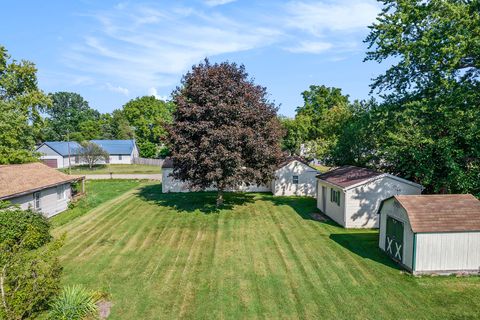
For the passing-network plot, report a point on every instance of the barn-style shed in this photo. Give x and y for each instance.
(432, 233)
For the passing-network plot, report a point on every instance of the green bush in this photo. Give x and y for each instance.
(74, 303)
(28, 227)
(29, 267)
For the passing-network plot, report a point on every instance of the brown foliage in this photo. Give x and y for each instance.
(225, 131)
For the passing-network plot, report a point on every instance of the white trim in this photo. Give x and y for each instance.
(384, 175)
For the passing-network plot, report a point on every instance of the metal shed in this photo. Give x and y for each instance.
(432, 233)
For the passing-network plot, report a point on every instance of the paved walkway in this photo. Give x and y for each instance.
(150, 176)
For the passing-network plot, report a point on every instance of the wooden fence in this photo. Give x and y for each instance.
(150, 162)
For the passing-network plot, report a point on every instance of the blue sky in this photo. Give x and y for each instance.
(113, 51)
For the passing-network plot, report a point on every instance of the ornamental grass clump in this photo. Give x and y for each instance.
(74, 303)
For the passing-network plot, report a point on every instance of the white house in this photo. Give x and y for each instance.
(120, 151)
(432, 233)
(56, 154)
(351, 195)
(59, 154)
(36, 186)
(293, 177)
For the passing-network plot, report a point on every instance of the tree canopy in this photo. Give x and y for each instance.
(148, 117)
(21, 104)
(225, 131)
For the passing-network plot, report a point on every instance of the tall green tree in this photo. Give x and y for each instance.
(148, 117)
(429, 124)
(320, 120)
(71, 114)
(21, 104)
(225, 131)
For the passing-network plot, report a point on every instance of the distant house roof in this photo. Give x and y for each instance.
(442, 212)
(19, 179)
(124, 147)
(61, 147)
(347, 176)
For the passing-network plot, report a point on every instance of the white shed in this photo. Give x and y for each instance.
(432, 233)
(293, 177)
(351, 195)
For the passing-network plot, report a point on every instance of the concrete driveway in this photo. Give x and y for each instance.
(140, 176)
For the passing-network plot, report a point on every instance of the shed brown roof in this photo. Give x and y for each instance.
(347, 176)
(18, 179)
(442, 212)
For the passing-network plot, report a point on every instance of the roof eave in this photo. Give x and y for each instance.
(19, 194)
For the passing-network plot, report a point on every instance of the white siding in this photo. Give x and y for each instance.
(332, 209)
(396, 211)
(363, 202)
(448, 252)
(115, 159)
(170, 184)
(284, 186)
(50, 205)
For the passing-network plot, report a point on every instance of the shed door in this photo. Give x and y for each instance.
(52, 163)
(394, 239)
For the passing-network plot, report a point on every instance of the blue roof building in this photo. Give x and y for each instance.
(55, 153)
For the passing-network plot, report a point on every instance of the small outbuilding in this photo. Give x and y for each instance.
(293, 177)
(432, 233)
(36, 186)
(351, 195)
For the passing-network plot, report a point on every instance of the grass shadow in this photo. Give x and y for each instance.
(204, 202)
(365, 245)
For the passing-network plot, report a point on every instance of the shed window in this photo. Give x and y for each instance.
(36, 200)
(77, 159)
(335, 196)
(295, 179)
(119, 157)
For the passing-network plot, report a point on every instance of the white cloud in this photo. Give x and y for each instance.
(143, 47)
(213, 3)
(118, 89)
(310, 47)
(153, 92)
(319, 17)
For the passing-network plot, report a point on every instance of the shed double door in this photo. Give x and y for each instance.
(394, 239)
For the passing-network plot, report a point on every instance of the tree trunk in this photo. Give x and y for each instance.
(220, 198)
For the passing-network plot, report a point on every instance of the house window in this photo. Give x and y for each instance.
(119, 157)
(295, 179)
(77, 159)
(335, 196)
(36, 200)
(60, 192)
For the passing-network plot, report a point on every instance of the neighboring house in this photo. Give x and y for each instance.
(36, 186)
(351, 195)
(293, 177)
(432, 233)
(55, 154)
(121, 151)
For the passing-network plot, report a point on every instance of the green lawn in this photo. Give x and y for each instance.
(168, 256)
(114, 168)
(98, 191)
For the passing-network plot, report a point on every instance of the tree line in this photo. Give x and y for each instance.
(29, 116)
(426, 125)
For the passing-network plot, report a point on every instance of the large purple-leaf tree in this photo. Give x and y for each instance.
(225, 131)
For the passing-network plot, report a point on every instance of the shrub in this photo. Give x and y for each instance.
(29, 267)
(74, 303)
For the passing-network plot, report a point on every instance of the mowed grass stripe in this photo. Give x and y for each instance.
(262, 259)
